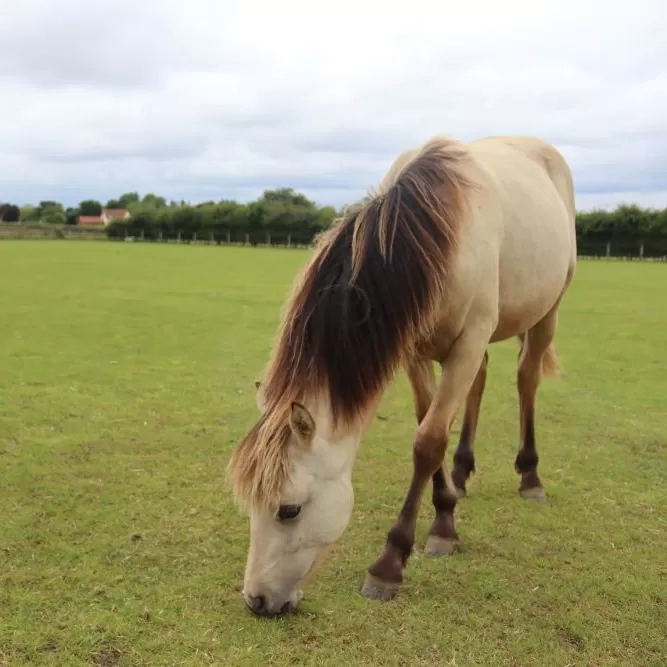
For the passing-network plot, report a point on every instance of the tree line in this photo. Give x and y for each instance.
(626, 231)
(280, 215)
(284, 216)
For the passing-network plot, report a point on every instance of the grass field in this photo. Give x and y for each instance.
(126, 378)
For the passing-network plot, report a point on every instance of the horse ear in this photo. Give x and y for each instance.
(261, 406)
(302, 423)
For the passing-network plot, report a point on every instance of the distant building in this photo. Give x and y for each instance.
(111, 214)
(90, 220)
(108, 215)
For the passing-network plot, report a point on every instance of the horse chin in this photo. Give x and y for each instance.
(289, 607)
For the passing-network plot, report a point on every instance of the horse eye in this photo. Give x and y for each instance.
(286, 512)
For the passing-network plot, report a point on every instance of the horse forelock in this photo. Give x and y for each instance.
(260, 464)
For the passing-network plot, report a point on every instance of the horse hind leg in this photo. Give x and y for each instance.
(464, 456)
(537, 359)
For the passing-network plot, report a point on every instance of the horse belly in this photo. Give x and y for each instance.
(516, 316)
(534, 263)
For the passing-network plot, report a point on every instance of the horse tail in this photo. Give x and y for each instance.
(550, 363)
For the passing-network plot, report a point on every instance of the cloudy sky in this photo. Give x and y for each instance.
(225, 98)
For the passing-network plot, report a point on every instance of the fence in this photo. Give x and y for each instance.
(17, 231)
(650, 249)
(653, 249)
(254, 237)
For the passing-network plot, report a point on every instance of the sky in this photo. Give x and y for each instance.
(220, 99)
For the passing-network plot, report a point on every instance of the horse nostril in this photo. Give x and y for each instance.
(257, 604)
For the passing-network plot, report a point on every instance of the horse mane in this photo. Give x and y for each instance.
(369, 294)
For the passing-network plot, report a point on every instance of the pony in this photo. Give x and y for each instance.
(461, 245)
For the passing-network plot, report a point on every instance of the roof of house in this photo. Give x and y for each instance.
(90, 220)
(114, 212)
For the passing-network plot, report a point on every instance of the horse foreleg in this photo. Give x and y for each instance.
(464, 456)
(443, 538)
(422, 380)
(459, 370)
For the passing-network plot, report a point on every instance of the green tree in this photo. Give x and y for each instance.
(29, 213)
(128, 198)
(187, 220)
(326, 217)
(90, 207)
(153, 201)
(288, 197)
(10, 213)
(52, 212)
(55, 217)
(659, 227)
(72, 215)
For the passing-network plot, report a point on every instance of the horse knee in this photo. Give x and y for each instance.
(428, 452)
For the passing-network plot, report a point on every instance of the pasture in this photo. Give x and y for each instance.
(126, 378)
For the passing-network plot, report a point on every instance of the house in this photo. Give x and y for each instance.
(108, 215)
(113, 214)
(90, 220)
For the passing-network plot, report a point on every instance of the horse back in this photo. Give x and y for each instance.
(531, 195)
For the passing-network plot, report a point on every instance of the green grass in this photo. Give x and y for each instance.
(126, 378)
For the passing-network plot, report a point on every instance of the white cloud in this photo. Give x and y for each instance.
(216, 100)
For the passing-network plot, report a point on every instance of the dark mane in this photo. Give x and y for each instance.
(371, 291)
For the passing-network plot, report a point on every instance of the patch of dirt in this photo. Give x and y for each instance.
(570, 637)
(107, 658)
(49, 646)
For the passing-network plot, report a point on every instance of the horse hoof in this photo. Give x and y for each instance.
(537, 494)
(376, 589)
(440, 546)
